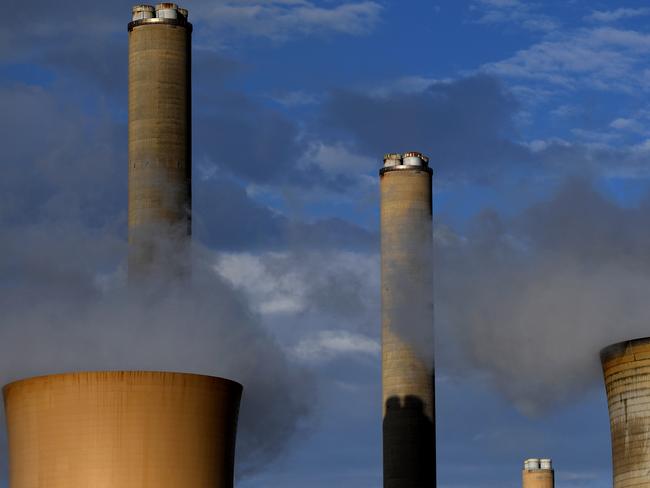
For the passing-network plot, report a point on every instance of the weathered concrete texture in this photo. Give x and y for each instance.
(122, 429)
(407, 325)
(160, 169)
(538, 478)
(626, 368)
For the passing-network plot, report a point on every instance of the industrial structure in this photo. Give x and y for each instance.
(136, 429)
(407, 322)
(147, 429)
(538, 473)
(626, 368)
(127, 429)
(160, 159)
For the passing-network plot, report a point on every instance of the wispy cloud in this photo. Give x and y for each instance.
(412, 84)
(337, 158)
(633, 125)
(280, 20)
(522, 13)
(293, 99)
(603, 58)
(285, 283)
(618, 14)
(273, 292)
(330, 344)
(596, 152)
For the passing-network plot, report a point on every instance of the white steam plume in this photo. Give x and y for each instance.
(65, 306)
(532, 300)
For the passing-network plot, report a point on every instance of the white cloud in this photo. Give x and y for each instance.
(595, 137)
(631, 125)
(565, 110)
(634, 123)
(641, 149)
(609, 154)
(320, 305)
(405, 85)
(601, 58)
(337, 158)
(272, 293)
(518, 12)
(281, 283)
(502, 3)
(618, 14)
(295, 99)
(280, 20)
(539, 145)
(621, 123)
(330, 344)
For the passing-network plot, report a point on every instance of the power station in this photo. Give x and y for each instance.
(151, 429)
(160, 140)
(136, 429)
(538, 473)
(407, 322)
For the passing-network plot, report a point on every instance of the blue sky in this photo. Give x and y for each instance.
(535, 117)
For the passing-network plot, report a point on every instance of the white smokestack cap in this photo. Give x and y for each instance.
(531, 464)
(545, 464)
(392, 159)
(143, 12)
(414, 158)
(167, 11)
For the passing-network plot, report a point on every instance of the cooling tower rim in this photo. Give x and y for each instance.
(620, 348)
(179, 22)
(111, 375)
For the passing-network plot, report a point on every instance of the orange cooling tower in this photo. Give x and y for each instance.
(126, 429)
(626, 367)
(538, 473)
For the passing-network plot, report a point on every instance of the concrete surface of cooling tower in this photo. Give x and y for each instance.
(626, 368)
(407, 322)
(160, 161)
(126, 429)
(538, 473)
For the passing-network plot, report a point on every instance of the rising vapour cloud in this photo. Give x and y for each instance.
(531, 300)
(66, 307)
(65, 304)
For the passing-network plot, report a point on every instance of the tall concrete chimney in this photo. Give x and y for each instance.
(407, 322)
(626, 367)
(160, 160)
(538, 473)
(126, 429)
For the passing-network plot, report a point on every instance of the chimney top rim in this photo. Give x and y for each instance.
(181, 21)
